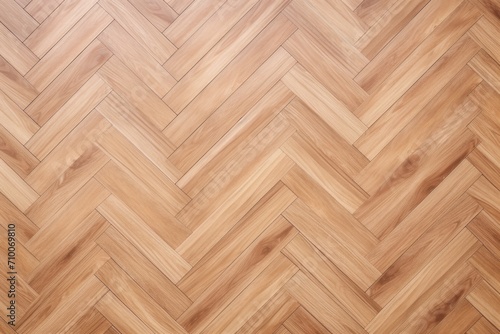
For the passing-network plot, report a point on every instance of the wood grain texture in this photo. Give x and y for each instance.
(250, 166)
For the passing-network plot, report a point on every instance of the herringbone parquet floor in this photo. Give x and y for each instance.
(250, 166)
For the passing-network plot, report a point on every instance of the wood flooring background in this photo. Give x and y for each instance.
(251, 166)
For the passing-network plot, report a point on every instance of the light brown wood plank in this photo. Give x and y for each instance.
(483, 326)
(241, 201)
(418, 62)
(15, 52)
(136, 299)
(68, 82)
(227, 49)
(488, 265)
(260, 217)
(15, 18)
(144, 272)
(484, 33)
(487, 229)
(15, 155)
(302, 322)
(463, 316)
(319, 99)
(138, 59)
(68, 47)
(157, 12)
(68, 117)
(144, 238)
(140, 28)
(144, 201)
(413, 34)
(131, 89)
(316, 59)
(198, 29)
(380, 133)
(15, 86)
(91, 322)
(488, 196)
(487, 68)
(139, 131)
(41, 9)
(271, 280)
(360, 271)
(15, 120)
(20, 193)
(484, 298)
(260, 254)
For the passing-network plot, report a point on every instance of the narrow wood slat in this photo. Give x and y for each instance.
(484, 298)
(15, 18)
(15, 120)
(488, 265)
(15, 52)
(140, 28)
(207, 36)
(15, 155)
(157, 12)
(15, 86)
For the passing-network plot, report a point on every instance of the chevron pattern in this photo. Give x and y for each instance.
(250, 166)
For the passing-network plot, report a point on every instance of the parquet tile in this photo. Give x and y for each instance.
(231, 166)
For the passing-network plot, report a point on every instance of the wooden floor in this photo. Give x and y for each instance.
(253, 166)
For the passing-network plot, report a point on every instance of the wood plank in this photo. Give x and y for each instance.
(144, 238)
(392, 22)
(487, 164)
(487, 229)
(487, 68)
(131, 88)
(241, 201)
(68, 117)
(228, 49)
(78, 173)
(259, 133)
(215, 261)
(442, 301)
(41, 9)
(463, 316)
(15, 18)
(223, 84)
(345, 191)
(233, 171)
(72, 215)
(15, 155)
(484, 33)
(485, 298)
(425, 283)
(412, 182)
(314, 264)
(57, 25)
(302, 322)
(198, 29)
(328, 143)
(271, 315)
(73, 249)
(407, 40)
(370, 11)
(356, 267)
(68, 47)
(15, 188)
(131, 158)
(15, 86)
(418, 62)
(321, 304)
(319, 99)
(423, 216)
(15, 52)
(157, 12)
(483, 326)
(380, 133)
(488, 196)
(488, 265)
(430, 243)
(260, 254)
(140, 28)
(136, 299)
(120, 315)
(144, 272)
(15, 120)
(25, 229)
(317, 60)
(179, 5)
(91, 322)
(138, 59)
(62, 291)
(145, 202)
(80, 140)
(271, 280)
(139, 131)
(68, 82)
(426, 132)
(341, 224)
